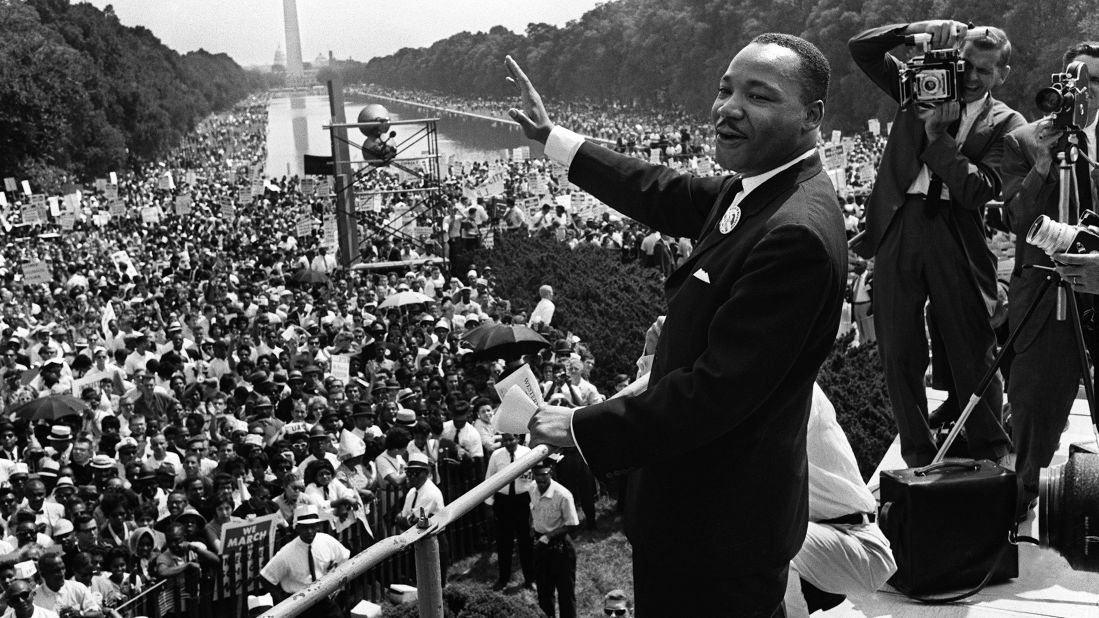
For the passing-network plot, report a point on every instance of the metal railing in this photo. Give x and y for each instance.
(426, 545)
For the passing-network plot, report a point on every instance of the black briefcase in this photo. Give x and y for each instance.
(948, 524)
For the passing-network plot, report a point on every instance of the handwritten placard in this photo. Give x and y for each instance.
(36, 273)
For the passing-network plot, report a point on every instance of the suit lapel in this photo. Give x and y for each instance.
(751, 205)
(980, 135)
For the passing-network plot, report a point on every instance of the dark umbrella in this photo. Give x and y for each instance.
(506, 341)
(308, 275)
(49, 408)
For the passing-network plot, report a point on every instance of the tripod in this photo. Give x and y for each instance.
(1067, 308)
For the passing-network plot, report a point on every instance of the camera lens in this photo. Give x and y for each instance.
(1049, 100)
(1051, 236)
(1068, 521)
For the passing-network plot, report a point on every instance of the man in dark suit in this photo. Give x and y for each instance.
(925, 229)
(715, 449)
(1045, 373)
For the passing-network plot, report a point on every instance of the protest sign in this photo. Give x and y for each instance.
(341, 367)
(10, 185)
(304, 227)
(36, 273)
(111, 192)
(874, 125)
(246, 547)
(116, 208)
(26, 188)
(834, 157)
(837, 135)
(866, 173)
(30, 214)
(183, 205)
(150, 214)
(55, 205)
(68, 220)
(227, 209)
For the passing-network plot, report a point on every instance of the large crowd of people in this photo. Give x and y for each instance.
(212, 384)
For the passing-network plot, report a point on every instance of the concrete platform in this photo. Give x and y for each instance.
(1046, 586)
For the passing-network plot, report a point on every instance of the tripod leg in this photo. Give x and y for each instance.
(1089, 386)
(982, 386)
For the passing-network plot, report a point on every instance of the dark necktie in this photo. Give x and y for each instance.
(412, 505)
(511, 486)
(935, 186)
(312, 566)
(1083, 176)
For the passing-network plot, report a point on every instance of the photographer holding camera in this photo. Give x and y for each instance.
(925, 222)
(1048, 374)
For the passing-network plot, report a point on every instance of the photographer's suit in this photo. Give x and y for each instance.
(715, 449)
(925, 250)
(1045, 372)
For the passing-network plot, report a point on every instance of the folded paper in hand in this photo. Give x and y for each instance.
(515, 411)
(527, 383)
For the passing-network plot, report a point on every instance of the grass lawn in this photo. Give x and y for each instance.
(603, 563)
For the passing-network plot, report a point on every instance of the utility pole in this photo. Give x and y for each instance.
(347, 228)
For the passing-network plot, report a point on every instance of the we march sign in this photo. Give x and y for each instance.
(246, 547)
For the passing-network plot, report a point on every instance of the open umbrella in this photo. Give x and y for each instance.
(308, 275)
(506, 341)
(49, 408)
(403, 299)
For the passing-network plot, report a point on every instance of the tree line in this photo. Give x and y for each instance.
(672, 52)
(82, 95)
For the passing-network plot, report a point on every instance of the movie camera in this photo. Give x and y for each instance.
(1066, 98)
(1056, 237)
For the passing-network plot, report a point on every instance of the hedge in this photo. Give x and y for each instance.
(610, 305)
(606, 303)
(471, 601)
(852, 378)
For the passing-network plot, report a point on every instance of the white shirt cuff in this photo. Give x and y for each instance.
(572, 429)
(562, 144)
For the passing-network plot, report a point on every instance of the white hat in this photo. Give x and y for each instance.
(25, 570)
(306, 514)
(263, 601)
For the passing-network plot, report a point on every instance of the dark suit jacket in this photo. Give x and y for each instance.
(715, 448)
(971, 174)
(1027, 196)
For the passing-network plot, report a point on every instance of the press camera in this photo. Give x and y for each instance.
(935, 77)
(1066, 98)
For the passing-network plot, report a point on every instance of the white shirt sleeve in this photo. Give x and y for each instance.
(562, 144)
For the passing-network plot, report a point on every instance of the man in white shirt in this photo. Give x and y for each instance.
(458, 430)
(58, 594)
(553, 514)
(424, 499)
(511, 513)
(543, 311)
(324, 262)
(20, 597)
(304, 560)
(844, 550)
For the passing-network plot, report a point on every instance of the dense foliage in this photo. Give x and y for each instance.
(673, 51)
(853, 380)
(81, 94)
(609, 305)
(465, 601)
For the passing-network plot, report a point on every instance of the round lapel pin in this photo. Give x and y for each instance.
(729, 219)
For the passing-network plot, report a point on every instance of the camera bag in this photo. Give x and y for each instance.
(948, 525)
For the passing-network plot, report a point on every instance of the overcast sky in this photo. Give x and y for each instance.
(250, 30)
